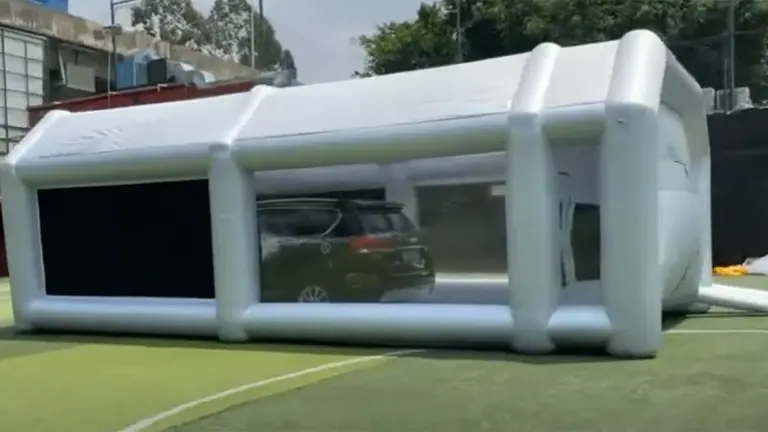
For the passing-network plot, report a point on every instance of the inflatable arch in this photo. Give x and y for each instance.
(627, 104)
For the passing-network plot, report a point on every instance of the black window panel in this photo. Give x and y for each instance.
(144, 240)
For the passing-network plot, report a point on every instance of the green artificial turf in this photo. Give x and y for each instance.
(757, 282)
(698, 383)
(100, 384)
(6, 316)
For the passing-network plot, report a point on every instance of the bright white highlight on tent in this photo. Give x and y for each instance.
(628, 103)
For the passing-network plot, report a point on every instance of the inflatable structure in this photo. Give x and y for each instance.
(619, 125)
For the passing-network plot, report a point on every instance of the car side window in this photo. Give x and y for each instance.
(297, 222)
(344, 228)
(276, 222)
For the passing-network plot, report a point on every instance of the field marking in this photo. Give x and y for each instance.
(717, 331)
(145, 423)
(150, 421)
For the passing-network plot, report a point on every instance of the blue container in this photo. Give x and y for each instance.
(132, 70)
(57, 5)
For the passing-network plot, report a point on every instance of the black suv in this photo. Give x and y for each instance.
(338, 250)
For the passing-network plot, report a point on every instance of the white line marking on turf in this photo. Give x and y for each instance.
(150, 421)
(718, 331)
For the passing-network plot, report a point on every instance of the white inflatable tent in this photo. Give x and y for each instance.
(628, 99)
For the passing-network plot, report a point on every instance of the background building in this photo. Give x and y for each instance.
(47, 55)
(22, 82)
(57, 5)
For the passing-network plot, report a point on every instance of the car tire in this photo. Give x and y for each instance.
(313, 294)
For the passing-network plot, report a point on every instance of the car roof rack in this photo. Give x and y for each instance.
(328, 202)
(297, 201)
(376, 204)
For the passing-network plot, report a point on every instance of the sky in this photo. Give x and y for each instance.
(319, 33)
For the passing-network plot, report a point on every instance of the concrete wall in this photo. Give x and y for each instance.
(29, 17)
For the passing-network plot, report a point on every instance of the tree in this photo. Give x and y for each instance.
(175, 21)
(225, 32)
(693, 29)
(286, 60)
(424, 42)
(231, 22)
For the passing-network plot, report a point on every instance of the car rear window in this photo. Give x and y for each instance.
(297, 222)
(385, 221)
(376, 223)
(401, 223)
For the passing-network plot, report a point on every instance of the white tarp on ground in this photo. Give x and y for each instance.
(757, 266)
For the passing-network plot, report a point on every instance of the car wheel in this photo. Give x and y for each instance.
(313, 294)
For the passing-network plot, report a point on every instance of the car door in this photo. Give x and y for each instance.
(318, 247)
(276, 252)
(287, 252)
(295, 251)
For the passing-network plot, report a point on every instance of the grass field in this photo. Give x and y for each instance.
(701, 381)
(102, 384)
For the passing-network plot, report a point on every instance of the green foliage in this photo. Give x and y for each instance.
(225, 32)
(421, 43)
(175, 21)
(695, 30)
(286, 61)
(231, 22)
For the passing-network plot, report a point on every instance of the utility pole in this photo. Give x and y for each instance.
(253, 35)
(114, 29)
(459, 34)
(262, 31)
(732, 54)
(260, 11)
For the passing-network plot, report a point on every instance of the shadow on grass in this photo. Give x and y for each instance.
(12, 346)
(26, 343)
(729, 314)
(563, 356)
(672, 320)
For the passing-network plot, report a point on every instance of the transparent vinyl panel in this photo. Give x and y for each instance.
(464, 226)
(430, 230)
(418, 231)
(579, 222)
(380, 233)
